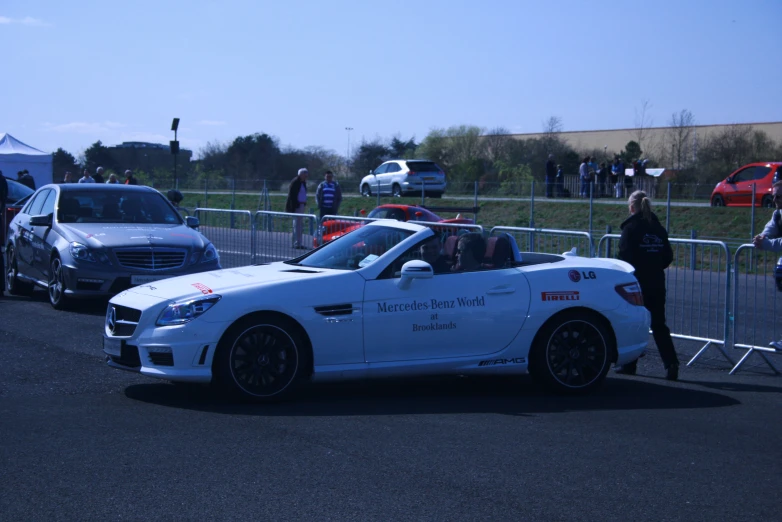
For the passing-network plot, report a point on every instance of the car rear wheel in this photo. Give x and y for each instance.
(396, 191)
(571, 353)
(717, 201)
(365, 190)
(56, 288)
(261, 359)
(13, 284)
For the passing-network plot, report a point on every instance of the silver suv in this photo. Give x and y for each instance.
(404, 177)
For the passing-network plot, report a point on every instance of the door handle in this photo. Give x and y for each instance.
(497, 290)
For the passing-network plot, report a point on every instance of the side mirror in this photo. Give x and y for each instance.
(415, 269)
(192, 222)
(41, 221)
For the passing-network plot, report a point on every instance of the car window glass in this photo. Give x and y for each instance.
(26, 208)
(111, 206)
(743, 175)
(393, 167)
(431, 250)
(381, 169)
(17, 191)
(761, 172)
(423, 166)
(48, 205)
(355, 249)
(35, 208)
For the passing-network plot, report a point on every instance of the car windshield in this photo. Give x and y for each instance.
(112, 206)
(356, 249)
(388, 213)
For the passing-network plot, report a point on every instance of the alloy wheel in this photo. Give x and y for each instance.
(263, 360)
(576, 354)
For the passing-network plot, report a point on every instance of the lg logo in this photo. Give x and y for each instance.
(576, 276)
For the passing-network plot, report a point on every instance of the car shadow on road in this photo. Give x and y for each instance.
(78, 306)
(507, 396)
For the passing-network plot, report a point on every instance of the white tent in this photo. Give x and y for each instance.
(16, 156)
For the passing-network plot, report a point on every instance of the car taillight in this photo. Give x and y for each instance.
(412, 173)
(631, 292)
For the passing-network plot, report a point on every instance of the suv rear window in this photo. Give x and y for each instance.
(423, 166)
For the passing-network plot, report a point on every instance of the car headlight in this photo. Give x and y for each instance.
(185, 311)
(210, 254)
(81, 252)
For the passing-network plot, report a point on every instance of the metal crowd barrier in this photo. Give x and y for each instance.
(230, 231)
(697, 288)
(274, 235)
(183, 211)
(756, 304)
(549, 240)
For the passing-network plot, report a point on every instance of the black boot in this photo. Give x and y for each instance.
(628, 369)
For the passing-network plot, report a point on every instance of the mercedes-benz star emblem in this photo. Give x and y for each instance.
(111, 319)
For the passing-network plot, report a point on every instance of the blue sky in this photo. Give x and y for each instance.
(75, 72)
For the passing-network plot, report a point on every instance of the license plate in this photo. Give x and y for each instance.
(144, 279)
(112, 346)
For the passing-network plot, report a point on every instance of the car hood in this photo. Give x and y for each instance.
(112, 235)
(229, 280)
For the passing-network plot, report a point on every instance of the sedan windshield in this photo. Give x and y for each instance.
(356, 249)
(114, 207)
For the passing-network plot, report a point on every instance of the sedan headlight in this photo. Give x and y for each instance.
(185, 311)
(209, 254)
(81, 252)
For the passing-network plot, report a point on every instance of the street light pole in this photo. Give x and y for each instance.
(174, 146)
(347, 158)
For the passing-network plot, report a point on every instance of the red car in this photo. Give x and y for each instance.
(736, 189)
(332, 229)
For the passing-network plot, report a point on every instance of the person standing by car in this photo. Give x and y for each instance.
(98, 177)
(24, 177)
(86, 178)
(585, 177)
(296, 204)
(129, 179)
(644, 244)
(328, 196)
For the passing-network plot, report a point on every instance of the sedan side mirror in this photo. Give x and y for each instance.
(41, 221)
(415, 269)
(192, 222)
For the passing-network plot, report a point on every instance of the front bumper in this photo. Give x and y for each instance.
(100, 280)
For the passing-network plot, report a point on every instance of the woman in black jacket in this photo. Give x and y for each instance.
(644, 244)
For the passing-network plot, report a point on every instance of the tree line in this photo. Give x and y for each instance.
(467, 153)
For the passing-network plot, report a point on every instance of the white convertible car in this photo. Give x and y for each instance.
(368, 304)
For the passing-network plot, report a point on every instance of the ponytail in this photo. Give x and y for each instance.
(640, 202)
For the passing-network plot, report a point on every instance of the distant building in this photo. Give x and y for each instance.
(615, 140)
(139, 155)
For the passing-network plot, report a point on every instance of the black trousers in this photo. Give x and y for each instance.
(4, 237)
(327, 212)
(654, 300)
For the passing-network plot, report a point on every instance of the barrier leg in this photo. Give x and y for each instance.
(738, 364)
(703, 350)
(773, 368)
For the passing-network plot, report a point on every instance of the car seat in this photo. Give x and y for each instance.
(499, 253)
(68, 210)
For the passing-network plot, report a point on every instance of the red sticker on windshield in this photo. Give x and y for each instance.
(204, 289)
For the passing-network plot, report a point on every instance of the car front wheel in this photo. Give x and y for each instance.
(717, 201)
(571, 354)
(13, 283)
(396, 191)
(56, 288)
(261, 359)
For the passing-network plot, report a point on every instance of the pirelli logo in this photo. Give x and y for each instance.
(560, 296)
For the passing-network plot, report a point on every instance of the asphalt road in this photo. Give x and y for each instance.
(83, 441)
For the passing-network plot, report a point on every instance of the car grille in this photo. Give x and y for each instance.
(151, 258)
(124, 320)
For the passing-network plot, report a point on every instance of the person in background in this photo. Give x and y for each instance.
(602, 179)
(129, 179)
(560, 182)
(551, 176)
(86, 178)
(296, 204)
(3, 227)
(614, 185)
(98, 177)
(584, 176)
(24, 177)
(644, 244)
(328, 196)
(67, 178)
(113, 179)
